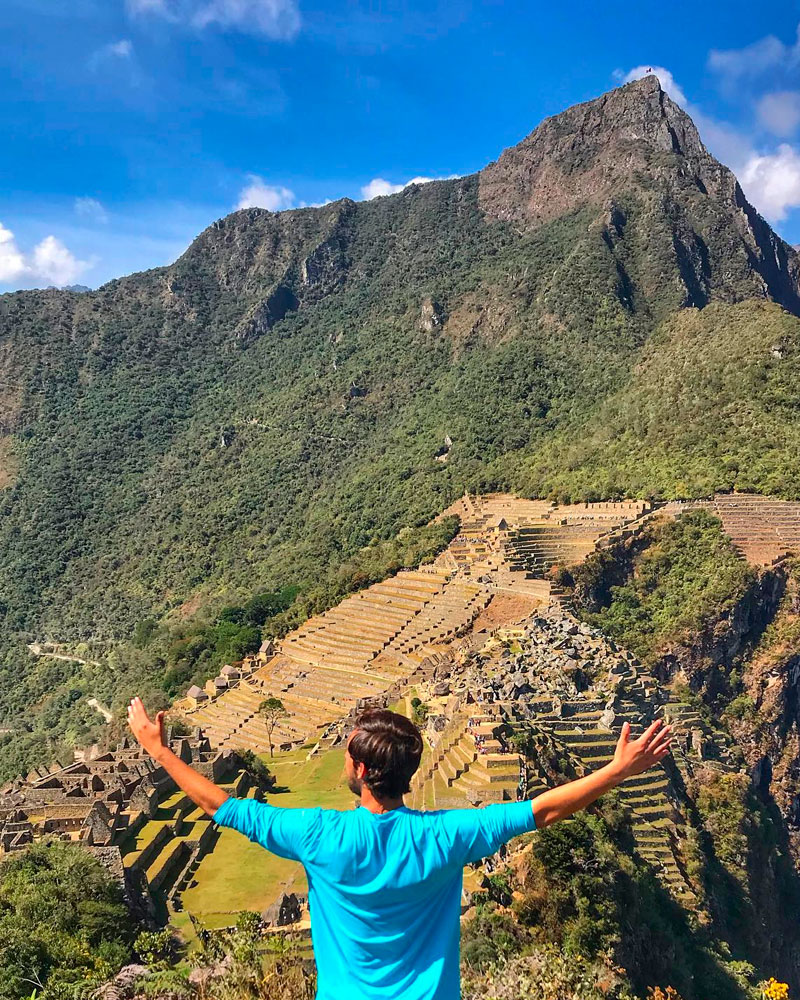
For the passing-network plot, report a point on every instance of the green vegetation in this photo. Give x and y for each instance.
(585, 903)
(266, 417)
(46, 701)
(271, 710)
(747, 877)
(711, 405)
(200, 650)
(182, 440)
(677, 577)
(544, 973)
(419, 711)
(63, 923)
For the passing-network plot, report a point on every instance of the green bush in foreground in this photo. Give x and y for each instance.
(63, 923)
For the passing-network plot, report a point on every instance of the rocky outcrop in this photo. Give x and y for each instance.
(266, 314)
(705, 657)
(635, 141)
(326, 265)
(271, 262)
(431, 316)
(765, 718)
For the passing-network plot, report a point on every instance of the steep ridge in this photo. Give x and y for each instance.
(636, 142)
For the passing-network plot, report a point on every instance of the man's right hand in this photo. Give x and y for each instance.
(634, 756)
(149, 732)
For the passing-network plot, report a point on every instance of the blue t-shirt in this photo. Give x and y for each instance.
(384, 889)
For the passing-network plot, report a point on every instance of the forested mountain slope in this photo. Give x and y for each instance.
(280, 395)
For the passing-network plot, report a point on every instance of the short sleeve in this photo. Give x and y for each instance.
(285, 832)
(478, 833)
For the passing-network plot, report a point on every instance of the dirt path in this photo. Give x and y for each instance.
(95, 704)
(37, 650)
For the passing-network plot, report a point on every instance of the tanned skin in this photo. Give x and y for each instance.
(630, 757)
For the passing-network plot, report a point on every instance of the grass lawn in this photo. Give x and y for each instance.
(238, 875)
(136, 842)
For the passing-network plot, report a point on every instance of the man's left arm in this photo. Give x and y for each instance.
(630, 757)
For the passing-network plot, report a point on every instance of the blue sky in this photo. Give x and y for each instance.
(130, 125)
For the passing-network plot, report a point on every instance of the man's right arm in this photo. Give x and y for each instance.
(150, 734)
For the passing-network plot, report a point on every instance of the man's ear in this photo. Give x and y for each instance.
(361, 770)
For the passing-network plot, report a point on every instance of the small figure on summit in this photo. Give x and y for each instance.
(384, 880)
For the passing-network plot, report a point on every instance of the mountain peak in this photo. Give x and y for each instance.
(635, 147)
(586, 152)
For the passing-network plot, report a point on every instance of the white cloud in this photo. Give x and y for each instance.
(111, 52)
(92, 209)
(378, 187)
(12, 263)
(273, 18)
(122, 49)
(766, 55)
(779, 112)
(54, 263)
(772, 182)
(257, 194)
(50, 262)
(665, 78)
(137, 7)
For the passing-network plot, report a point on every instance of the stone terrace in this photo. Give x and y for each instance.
(478, 637)
(336, 660)
(355, 631)
(566, 535)
(762, 529)
(568, 691)
(370, 644)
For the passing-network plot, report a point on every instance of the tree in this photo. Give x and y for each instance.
(272, 710)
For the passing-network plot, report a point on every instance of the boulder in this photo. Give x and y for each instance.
(697, 742)
(609, 716)
(203, 974)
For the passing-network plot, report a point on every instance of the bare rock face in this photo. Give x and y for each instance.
(285, 910)
(636, 139)
(582, 154)
(431, 316)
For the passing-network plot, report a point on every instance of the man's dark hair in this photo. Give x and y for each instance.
(390, 747)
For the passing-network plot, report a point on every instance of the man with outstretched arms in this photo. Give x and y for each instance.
(385, 880)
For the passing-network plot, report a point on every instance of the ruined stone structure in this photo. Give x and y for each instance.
(373, 643)
(517, 694)
(763, 529)
(548, 698)
(98, 799)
